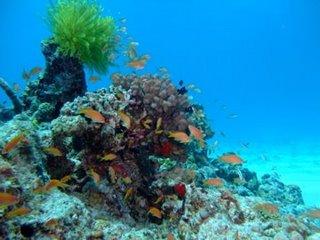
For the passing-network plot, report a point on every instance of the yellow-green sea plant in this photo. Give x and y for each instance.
(81, 31)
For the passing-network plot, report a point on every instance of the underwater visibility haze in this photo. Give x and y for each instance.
(160, 119)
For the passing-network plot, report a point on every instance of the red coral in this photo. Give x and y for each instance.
(180, 189)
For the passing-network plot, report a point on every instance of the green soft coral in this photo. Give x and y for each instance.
(80, 31)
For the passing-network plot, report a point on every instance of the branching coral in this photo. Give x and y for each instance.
(81, 31)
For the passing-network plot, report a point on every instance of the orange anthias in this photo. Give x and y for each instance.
(8, 199)
(17, 212)
(196, 132)
(53, 183)
(155, 212)
(93, 115)
(231, 158)
(217, 182)
(13, 143)
(178, 136)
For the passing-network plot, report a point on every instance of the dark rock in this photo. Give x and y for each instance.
(63, 80)
(27, 230)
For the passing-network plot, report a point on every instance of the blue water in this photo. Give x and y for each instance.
(257, 59)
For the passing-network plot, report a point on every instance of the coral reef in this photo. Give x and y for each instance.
(62, 81)
(128, 161)
(81, 32)
(114, 164)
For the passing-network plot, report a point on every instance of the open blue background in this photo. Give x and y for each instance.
(259, 59)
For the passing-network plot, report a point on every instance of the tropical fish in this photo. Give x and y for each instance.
(8, 199)
(17, 212)
(193, 88)
(146, 123)
(53, 183)
(93, 115)
(35, 70)
(231, 158)
(159, 199)
(95, 176)
(132, 50)
(217, 182)
(313, 213)
(139, 63)
(52, 223)
(26, 75)
(245, 145)
(155, 212)
(179, 136)
(16, 87)
(125, 119)
(232, 115)
(66, 178)
(196, 132)
(170, 236)
(158, 125)
(13, 143)
(128, 194)
(127, 180)
(109, 157)
(94, 79)
(54, 151)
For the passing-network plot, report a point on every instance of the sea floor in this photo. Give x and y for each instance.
(295, 162)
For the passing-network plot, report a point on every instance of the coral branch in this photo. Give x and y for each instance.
(17, 105)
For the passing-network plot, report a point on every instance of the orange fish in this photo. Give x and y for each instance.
(170, 236)
(139, 63)
(8, 199)
(231, 158)
(155, 212)
(17, 212)
(217, 182)
(196, 132)
(313, 213)
(95, 176)
(35, 70)
(93, 115)
(159, 199)
(53, 183)
(125, 119)
(128, 194)
(109, 157)
(66, 179)
(158, 125)
(94, 79)
(14, 142)
(181, 137)
(146, 123)
(25, 75)
(53, 151)
(52, 223)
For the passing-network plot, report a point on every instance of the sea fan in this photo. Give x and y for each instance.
(80, 31)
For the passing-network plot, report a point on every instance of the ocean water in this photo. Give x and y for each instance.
(257, 64)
